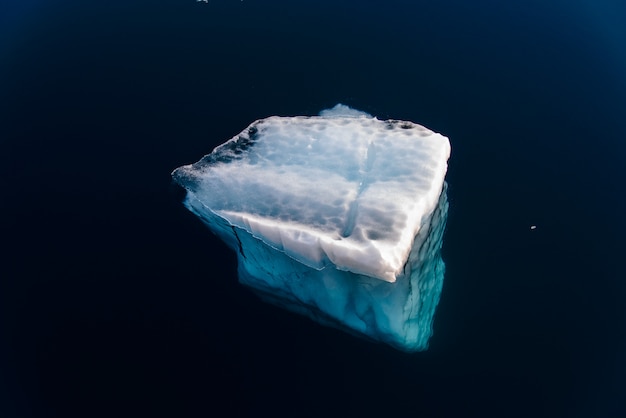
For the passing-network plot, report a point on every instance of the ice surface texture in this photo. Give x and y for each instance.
(338, 216)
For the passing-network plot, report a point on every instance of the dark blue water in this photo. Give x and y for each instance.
(115, 301)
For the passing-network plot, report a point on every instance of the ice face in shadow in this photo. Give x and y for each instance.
(339, 217)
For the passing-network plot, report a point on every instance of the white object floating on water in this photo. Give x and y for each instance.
(339, 217)
(533, 227)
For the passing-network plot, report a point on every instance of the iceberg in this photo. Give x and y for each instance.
(339, 217)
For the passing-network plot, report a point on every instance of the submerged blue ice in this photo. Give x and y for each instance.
(339, 217)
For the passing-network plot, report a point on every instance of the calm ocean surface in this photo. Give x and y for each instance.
(116, 301)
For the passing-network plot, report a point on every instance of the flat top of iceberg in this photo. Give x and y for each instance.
(342, 188)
